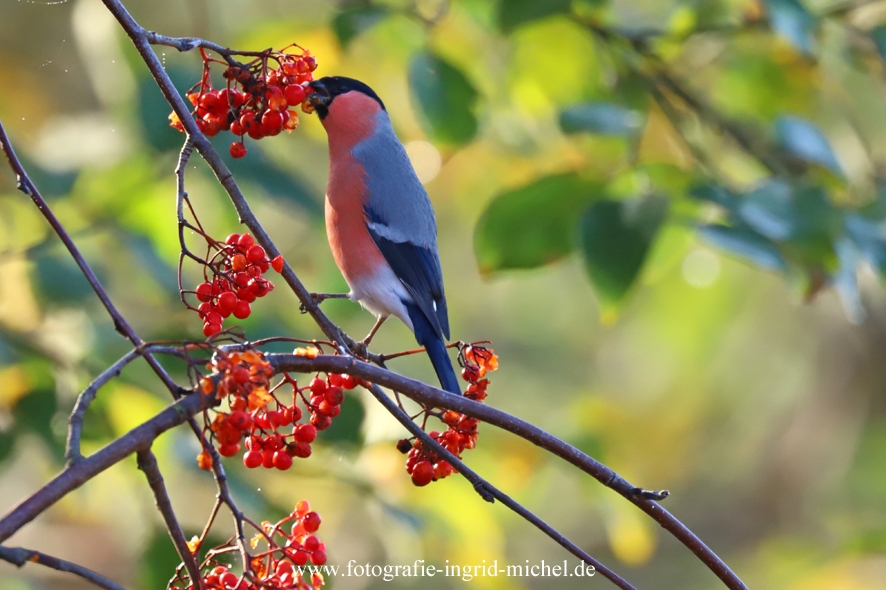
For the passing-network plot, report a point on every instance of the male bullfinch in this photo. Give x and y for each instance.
(379, 220)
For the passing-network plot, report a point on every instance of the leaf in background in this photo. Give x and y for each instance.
(869, 236)
(34, 412)
(603, 118)
(769, 210)
(792, 21)
(158, 560)
(846, 280)
(153, 110)
(347, 427)
(714, 193)
(446, 98)
(878, 34)
(616, 237)
(805, 141)
(352, 21)
(280, 184)
(513, 13)
(59, 279)
(7, 444)
(532, 225)
(744, 243)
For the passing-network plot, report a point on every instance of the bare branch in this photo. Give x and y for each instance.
(19, 556)
(147, 462)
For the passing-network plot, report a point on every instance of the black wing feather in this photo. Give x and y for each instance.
(418, 269)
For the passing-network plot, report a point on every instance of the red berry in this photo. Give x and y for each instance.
(305, 433)
(282, 460)
(238, 149)
(228, 579)
(301, 449)
(277, 263)
(292, 414)
(272, 120)
(246, 295)
(318, 386)
(334, 395)
(318, 557)
(422, 473)
(242, 310)
(205, 308)
(294, 94)
(252, 459)
(242, 279)
(228, 449)
(348, 382)
(213, 317)
(312, 543)
(300, 558)
(245, 242)
(204, 292)
(226, 302)
(255, 254)
(311, 521)
(232, 239)
(248, 122)
(321, 422)
(240, 420)
(267, 458)
(335, 379)
(211, 329)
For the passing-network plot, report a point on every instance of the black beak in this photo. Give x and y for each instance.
(320, 97)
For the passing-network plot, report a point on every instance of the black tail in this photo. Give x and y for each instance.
(436, 347)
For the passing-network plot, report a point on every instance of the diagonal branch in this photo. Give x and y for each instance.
(147, 462)
(19, 556)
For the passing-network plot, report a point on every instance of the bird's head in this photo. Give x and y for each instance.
(344, 104)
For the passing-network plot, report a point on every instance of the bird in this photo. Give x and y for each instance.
(379, 220)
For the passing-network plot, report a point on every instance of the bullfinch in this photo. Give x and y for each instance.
(379, 219)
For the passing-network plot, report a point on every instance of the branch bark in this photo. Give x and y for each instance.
(19, 557)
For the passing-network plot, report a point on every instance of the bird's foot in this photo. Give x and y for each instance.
(319, 298)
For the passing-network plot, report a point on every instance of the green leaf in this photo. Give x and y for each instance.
(616, 237)
(533, 225)
(7, 444)
(346, 428)
(603, 118)
(878, 34)
(280, 184)
(351, 22)
(794, 22)
(714, 193)
(446, 99)
(744, 243)
(59, 279)
(806, 141)
(153, 110)
(513, 13)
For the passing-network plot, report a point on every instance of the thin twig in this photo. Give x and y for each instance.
(19, 556)
(147, 462)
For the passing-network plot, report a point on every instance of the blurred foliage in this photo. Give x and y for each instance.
(702, 169)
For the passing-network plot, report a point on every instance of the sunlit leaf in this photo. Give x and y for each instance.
(446, 98)
(616, 237)
(805, 141)
(744, 243)
(532, 225)
(513, 13)
(353, 21)
(603, 118)
(794, 22)
(716, 194)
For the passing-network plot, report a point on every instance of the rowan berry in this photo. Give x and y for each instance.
(294, 94)
(422, 473)
(228, 449)
(204, 292)
(305, 432)
(334, 395)
(318, 386)
(242, 310)
(210, 330)
(252, 459)
(312, 521)
(277, 263)
(318, 557)
(282, 460)
(267, 458)
(255, 254)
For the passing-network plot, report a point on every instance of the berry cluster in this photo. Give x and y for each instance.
(289, 546)
(259, 415)
(423, 464)
(233, 280)
(257, 97)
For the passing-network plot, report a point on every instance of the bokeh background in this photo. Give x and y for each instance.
(676, 210)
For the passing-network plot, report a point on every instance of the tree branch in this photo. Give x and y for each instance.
(147, 462)
(19, 556)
